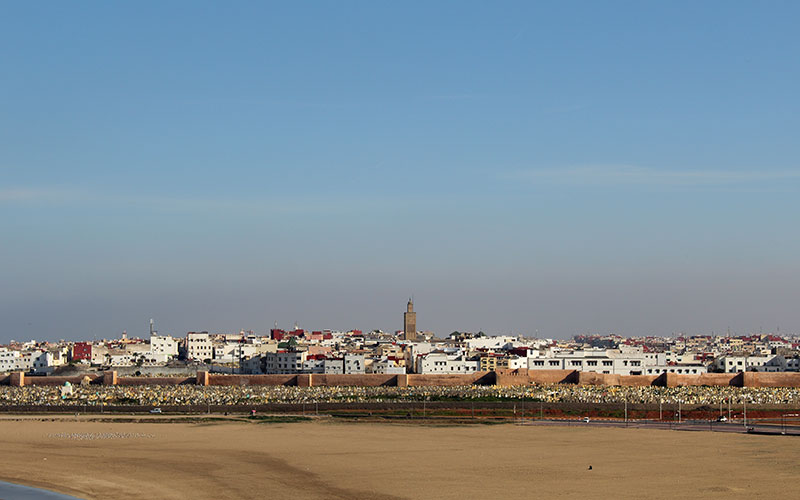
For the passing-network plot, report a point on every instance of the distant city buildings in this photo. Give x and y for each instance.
(300, 351)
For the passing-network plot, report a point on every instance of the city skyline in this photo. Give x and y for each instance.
(554, 168)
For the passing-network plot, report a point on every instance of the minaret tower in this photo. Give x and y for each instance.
(410, 322)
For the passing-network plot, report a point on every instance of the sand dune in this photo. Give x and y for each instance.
(326, 460)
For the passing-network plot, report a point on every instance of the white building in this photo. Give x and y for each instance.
(233, 352)
(285, 362)
(199, 346)
(733, 364)
(631, 362)
(492, 343)
(696, 369)
(440, 363)
(387, 366)
(350, 363)
(779, 363)
(163, 348)
(10, 361)
(123, 358)
(41, 362)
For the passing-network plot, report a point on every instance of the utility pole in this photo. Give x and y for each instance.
(744, 412)
(626, 411)
(660, 409)
(679, 411)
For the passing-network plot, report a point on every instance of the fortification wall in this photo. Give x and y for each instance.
(52, 381)
(155, 380)
(638, 380)
(419, 380)
(591, 378)
(366, 380)
(215, 379)
(501, 378)
(771, 379)
(715, 379)
(523, 376)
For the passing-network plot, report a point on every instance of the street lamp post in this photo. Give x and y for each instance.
(729, 408)
(744, 412)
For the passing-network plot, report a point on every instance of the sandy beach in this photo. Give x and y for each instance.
(325, 460)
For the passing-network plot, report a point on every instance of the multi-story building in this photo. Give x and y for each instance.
(730, 363)
(82, 351)
(10, 360)
(199, 346)
(349, 363)
(387, 366)
(163, 348)
(439, 362)
(592, 360)
(284, 362)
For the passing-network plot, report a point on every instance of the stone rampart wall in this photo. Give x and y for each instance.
(51, 381)
(501, 378)
(155, 380)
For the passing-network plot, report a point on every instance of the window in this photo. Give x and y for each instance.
(608, 363)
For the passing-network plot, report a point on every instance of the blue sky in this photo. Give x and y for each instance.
(558, 168)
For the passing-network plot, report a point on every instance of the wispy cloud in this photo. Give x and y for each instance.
(23, 194)
(200, 204)
(633, 175)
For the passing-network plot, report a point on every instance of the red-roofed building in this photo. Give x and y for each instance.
(82, 351)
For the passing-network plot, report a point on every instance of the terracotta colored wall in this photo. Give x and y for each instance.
(216, 379)
(366, 380)
(16, 379)
(527, 377)
(501, 378)
(717, 379)
(51, 381)
(771, 379)
(418, 379)
(155, 380)
(591, 378)
(637, 380)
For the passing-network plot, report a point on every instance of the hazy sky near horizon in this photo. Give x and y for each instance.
(547, 168)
